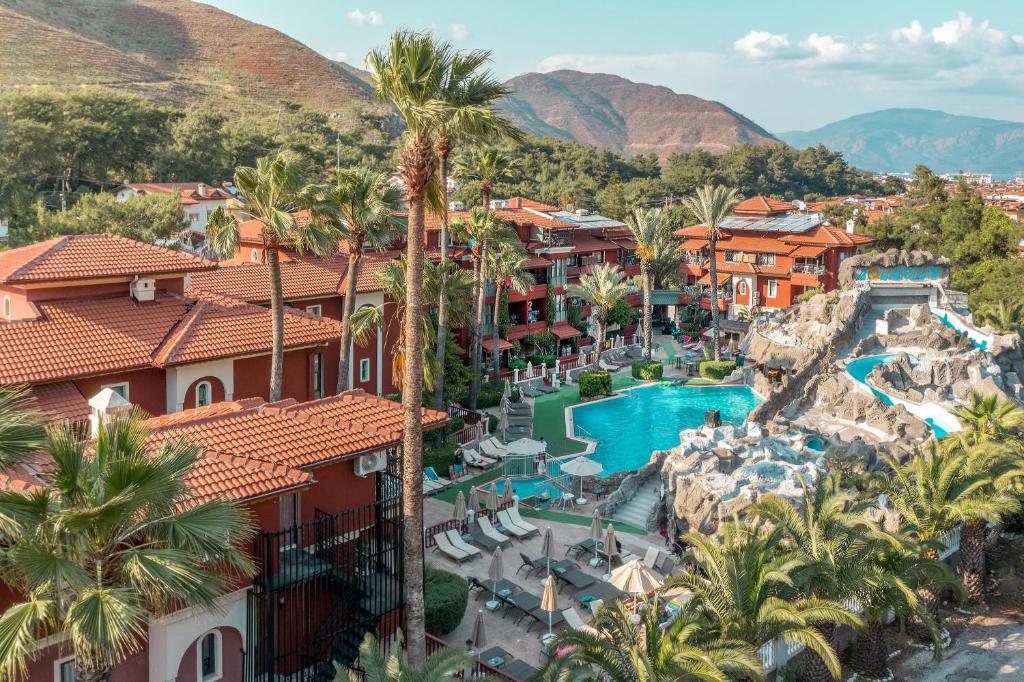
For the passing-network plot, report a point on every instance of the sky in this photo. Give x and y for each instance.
(786, 64)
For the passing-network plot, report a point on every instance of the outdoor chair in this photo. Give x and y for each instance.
(444, 545)
(460, 544)
(433, 476)
(532, 565)
(517, 519)
(491, 532)
(475, 459)
(492, 448)
(509, 524)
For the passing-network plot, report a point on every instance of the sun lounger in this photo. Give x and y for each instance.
(529, 392)
(519, 407)
(460, 544)
(482, 540)
(531, 565)
(608, 366)
(573, 620)
(576, 578)
(513, 513)
(596, 606)
(430, 487)
(511, 527)
(554, 618)
(544, 388)
(444, 545)
(491, 449)
(490, 531)
(519, 670)
(475, 459)
(433, 476)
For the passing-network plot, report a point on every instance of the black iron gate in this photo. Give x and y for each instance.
(323, 585)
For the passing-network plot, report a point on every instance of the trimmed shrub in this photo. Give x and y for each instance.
(514, 395)
(490, 394)
(545, 359)
(711, 369)
(445, 596)
(594, 383)
(440, 458)
(648, 370)
(517, 363)
(492, 423)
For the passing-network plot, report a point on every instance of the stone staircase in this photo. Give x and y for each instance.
(638, 508)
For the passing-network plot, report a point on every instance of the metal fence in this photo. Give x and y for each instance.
(323, 585)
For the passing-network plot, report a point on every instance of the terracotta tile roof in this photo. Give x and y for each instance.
(222, 476)
(300, 278)
(693, 244)
(585, 243)
(698, 231)
(61, 401)
(93, 256)
(523, 202)
(536, 262)
(198, 413)
(360, 408)
(221, 327)
(488, 344)
(516, 216)
(564, 330)
(79, 338)
(187, 190)
(825, 235)
(732, 242)
(808, 251)
(761, 204)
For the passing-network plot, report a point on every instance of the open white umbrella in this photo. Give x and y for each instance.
(479, 635)
(634, 578)
(495, 572)
(548, 547)
(525, 446)
(460, 507)
(549, 602)
(582, 466)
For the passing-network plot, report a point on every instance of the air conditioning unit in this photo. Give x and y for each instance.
(749, 257)
(367, 464)
(755, 298)
(143, 289)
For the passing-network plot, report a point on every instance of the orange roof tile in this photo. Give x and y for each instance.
(693, 244)
(586, 243)
(762, 204)
(825, 235)
(93, 256)
(220, 327)
(61, 401)
(222, 476)
(733, 242)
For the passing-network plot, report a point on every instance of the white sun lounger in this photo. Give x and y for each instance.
(444, 545)
(512, 527)
(460, 544)
(596, 605)
(513, 513)
(430, 487)
(490, 531)
(573, 620)
(475, 459)
(491, 450)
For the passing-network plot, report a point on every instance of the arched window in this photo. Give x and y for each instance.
(742, 287)
(254, 256)
(203, 393)
(7, 307)
(209, 658)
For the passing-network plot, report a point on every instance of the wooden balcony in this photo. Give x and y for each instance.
(518, 331)
(537, 291)
(807, 275)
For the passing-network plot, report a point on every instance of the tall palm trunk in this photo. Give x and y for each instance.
(355, 257)
(645, 273)
(871, 652)
(813, 668)
(478, 368)
(931, 599)
(474, 336)
(417, 162)
(713, 274)
(485, 195)
(444, 148)
(600, 331)
(971, 566)
(495, 331)
(277, 322)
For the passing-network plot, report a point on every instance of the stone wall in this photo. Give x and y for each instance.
(626, 483)
(890, 259)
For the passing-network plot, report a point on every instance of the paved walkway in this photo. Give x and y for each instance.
(991, 648)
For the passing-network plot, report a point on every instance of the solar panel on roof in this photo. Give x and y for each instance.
(588, 220)
(790, 222)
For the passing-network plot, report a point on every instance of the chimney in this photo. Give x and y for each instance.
(104, 404)
(143, 289)
(515, 202)
(201, 189)
(850, 225)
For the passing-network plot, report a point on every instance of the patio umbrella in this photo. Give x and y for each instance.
(507, 393)
(549, 602)
(595, 526)
(495, 572)
(474, 500)
(525, 446)
(634, 578)
(479, 635)
(611, 546)
(503, 422)
(548, 548)
(508, 493)
(582, 466)
(460, 507)
(492, 498)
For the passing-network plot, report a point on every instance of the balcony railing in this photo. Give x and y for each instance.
(809, 269)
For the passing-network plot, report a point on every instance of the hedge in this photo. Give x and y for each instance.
(648, 370)
(445, 596)
(490, 394)
(596, 382)
(717, 369)
(517, 363)
(545, 359)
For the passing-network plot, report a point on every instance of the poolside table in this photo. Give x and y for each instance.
(519, 670)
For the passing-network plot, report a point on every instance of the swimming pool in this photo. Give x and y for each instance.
(630, 427)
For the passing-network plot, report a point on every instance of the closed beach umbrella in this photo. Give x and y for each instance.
(479, 636)
(595, 526)
(508, 493)
(549, 602)
(474, 500)
(460, 507)
(492, 498)
(495, 572)
(611, 547)
(582, 466)
(548, 548)
(507, 393)
(634, 578)
(503, 423)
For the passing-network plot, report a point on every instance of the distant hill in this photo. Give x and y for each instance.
(634, 118)
(896, 140)
(167, 50)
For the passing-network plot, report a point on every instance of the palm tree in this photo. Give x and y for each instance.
(895, 571)
(1007, 316)
(987, 419)
(488, 166)
(624, 650)
(274, 193)
(826, 534)
(936, 491)
(482, 230)
(649, 230)
(366, 206)
(410, 74)
(20, 431)
(505, 267)
(745, 589)
(392, 666)
(605, 286)
(113, 541)
(711, 205)
(466, 89)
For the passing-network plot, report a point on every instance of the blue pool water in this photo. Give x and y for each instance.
(816, 444)
(629, 428)
(860, 368)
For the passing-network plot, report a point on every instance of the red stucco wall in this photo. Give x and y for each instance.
(216, 392)
(146, 388)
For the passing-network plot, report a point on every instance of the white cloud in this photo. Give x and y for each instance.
(762, 45)
(460, 32)
(361, 18)
(339, 56)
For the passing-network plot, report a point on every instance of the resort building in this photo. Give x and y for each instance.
(321, 481)
(198, 199)
(768, 254)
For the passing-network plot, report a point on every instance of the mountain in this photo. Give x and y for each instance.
(634, 118)
(896, 140)
(168, 50)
